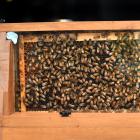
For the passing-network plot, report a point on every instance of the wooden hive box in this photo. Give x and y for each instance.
(26, 125)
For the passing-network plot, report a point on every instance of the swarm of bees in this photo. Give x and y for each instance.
(88, 75)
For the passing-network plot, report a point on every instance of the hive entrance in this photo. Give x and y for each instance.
(80, 72)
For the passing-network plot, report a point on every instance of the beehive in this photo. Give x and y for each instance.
(90, 71)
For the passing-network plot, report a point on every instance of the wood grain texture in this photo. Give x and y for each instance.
(8, 95)
(10, 104)
(61, 26)
(1, 133)
(1, 101)
(22, 73)
(79, 126)
(4, 67)
(88, 120)
(0, 127)
(71, 133)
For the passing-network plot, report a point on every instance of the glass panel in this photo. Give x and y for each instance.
(82, 71)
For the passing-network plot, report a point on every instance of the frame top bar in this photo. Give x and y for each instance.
(68, 26)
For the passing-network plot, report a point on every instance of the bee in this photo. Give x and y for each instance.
(43, 106)
(43, 99)
(95, 107)
(71, 105)
(82, 104)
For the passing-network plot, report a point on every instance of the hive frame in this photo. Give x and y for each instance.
(79, 125)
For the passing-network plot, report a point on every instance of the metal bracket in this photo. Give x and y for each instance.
(12, 36)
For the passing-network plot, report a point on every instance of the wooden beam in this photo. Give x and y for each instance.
(4, 72)
(22, 73)
(68, 26)
(79, 126)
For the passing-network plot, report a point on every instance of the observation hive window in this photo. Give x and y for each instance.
(78, 71)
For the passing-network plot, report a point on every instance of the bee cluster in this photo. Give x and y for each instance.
(89, 75)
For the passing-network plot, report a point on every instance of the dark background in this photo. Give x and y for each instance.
(77, 10)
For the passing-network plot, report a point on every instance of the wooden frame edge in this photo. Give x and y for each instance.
(9, 97)
(68, 26)
(40, 119)
(57, 26)
(22, 73)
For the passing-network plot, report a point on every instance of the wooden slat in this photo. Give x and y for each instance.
(86, 120)
(61, 26)
(9, 96)
(79, 126)
(1, 117)
(105, 35)
(1, 133)
(100, 133)
(22, 73)
(7, 78)
(0, 127)
(1, 101)
(4, 61)
(5, 101)
(82, 36)
(11, 84)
